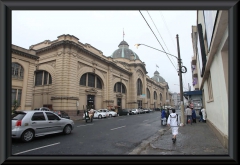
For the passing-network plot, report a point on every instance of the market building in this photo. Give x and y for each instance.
(68, 75)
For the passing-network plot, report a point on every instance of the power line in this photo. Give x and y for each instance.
(167, 28)
(157, 38)
(159, 34)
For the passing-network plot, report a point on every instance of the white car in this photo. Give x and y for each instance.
(26, 125)
(109, 113)
(98, 114)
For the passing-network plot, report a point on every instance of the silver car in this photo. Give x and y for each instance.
(33, 123)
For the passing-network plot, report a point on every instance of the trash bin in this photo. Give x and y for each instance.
(78, 112)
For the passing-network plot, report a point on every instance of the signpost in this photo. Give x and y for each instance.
(143, 96)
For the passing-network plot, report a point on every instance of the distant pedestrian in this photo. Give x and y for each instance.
(167, 113)
(163, 117)
(189, 115)
(174, 122)
(200, 114)
(194, 115)
(203, 114)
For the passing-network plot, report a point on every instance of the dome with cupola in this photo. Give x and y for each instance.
(123, 51)
(157, 77)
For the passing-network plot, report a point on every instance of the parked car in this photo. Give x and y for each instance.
(122, 112)
(62, 114)
(136, 110)
(26, 125)
(145, 110)
(98, 114)
(42, 109)
(109, 113)
(133, 112)
(141, 111)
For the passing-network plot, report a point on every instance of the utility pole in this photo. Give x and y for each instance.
(180, 81)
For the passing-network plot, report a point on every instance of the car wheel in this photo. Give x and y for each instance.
(67, 129)
(99, 116)
(27, 135)
(110, 115)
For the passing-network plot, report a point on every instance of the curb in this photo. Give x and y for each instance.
(146, 143)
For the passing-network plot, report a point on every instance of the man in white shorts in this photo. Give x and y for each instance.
(174, 122)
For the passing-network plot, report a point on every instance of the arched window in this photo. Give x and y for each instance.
(99, 84)
(148, 93)
(42, 78)
(91, 80)
(17, 71)
(119, 87)
(155, 95)
(139, 87)
(160, 97)
(83, 79)
(166, 96)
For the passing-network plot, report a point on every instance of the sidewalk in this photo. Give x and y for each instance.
(195, 139)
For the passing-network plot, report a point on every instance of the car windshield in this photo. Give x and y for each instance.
(18, 116)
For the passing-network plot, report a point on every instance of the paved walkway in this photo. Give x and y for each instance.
(195, 139)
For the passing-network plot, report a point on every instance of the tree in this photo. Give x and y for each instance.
(15, 106)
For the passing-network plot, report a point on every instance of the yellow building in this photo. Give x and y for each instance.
(68, 75)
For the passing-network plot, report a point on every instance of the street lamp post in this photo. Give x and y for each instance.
(182, 69)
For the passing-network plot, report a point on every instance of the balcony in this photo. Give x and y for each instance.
(193, 60)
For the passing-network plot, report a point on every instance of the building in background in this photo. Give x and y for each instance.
(177, 99)
(210, 67)
(68, 75)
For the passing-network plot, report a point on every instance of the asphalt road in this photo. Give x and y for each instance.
(111, 136)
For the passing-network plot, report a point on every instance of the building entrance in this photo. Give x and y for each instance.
(119, 103)
(90, 102)
(139, 104)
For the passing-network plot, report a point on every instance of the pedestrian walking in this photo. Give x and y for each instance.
(189, 115)
(200, 114)
(203, 114)
(194, 115)
(167, 113)
(163, 117)
(174, 122)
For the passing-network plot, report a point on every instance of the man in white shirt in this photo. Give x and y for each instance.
(203, 114)
(189, 114)
(174, 122)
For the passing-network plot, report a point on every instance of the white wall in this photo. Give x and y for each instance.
(217, 111)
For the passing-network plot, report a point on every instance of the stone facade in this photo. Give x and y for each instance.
(63, 62)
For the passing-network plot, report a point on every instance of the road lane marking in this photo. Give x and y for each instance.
(37, 148)
(145, 120)
(117, 128)
(84, 125)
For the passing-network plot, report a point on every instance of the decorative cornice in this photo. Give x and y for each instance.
(25, 54)
(64, 98)
(134, 102)
(91, 90)
(81, 48)
(109, 101)
(119, 95)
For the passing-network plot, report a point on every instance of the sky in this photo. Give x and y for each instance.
(104, 31)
